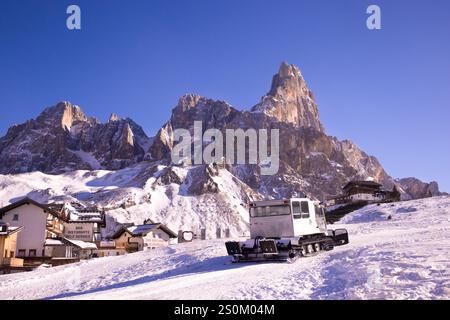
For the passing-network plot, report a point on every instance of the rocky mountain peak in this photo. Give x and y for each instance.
(192, 107)
(113, 117)
(63, 138)
(290, 100)
(289, 82)
(414, 188)
(187, 102)
(63, 115)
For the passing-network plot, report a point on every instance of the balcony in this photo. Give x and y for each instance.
(12, 262)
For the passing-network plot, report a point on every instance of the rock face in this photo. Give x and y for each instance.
(63, 138)
(289, 100)
(415, 189)
(310, 161)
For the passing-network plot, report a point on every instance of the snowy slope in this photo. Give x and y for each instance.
(146, 190)
(406, 257)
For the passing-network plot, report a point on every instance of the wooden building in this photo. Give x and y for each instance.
(107, 248)
(141, 237)
(364, 191)
(80, 223)
(8, 246)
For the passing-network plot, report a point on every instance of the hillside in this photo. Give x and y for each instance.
(406, 257)
(191, 198)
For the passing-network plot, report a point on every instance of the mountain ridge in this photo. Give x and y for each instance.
(63, 138)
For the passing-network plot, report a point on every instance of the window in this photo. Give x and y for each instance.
(32, 253)
(319, 211)
(296, 210)
(21, 253)
(270, 211)
(305, 209)
(11, 254)
(16, 217)
(6, 254)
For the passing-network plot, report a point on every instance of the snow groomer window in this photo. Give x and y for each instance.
(296, 210)
(270, 211)
(305, 209)
(318, 211)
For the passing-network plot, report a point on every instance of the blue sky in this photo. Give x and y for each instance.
(386, 90)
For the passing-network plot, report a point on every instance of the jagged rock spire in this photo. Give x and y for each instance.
(290, 100)
(113, 117)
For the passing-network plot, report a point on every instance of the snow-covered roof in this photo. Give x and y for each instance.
(364, 183)
(85, 217)
(68, 242)
(76, 212)
(6, 230)
(82, 245)
(26, 201)
(53, 242)
(142, 230)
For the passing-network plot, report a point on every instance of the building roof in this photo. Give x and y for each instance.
(27, 201)
(119, 232)
(55, 206)
(143, 230)
(371, 184)
(53, 242)
(75, 214)
(68, 242)
(82, 244)
(6, 230)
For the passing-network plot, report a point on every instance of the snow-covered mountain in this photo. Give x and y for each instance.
(64, 154)
(405, 257)
(310, 161)
(191, 198)
(62, 138)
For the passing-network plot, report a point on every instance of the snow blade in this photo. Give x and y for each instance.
(233, 248)
(340, 237)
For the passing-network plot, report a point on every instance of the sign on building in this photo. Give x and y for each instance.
(79, 231)
(107, 244)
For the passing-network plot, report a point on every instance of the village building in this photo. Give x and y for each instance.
(53, 233)
(39, 223)
(364, 191)
(80, 223)
(8, 246)
(108, 248)
(128, 239)
(63, 233)
(64, 248)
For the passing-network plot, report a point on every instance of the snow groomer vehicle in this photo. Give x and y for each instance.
(285, 230)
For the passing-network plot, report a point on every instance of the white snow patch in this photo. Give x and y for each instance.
(88, 158)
